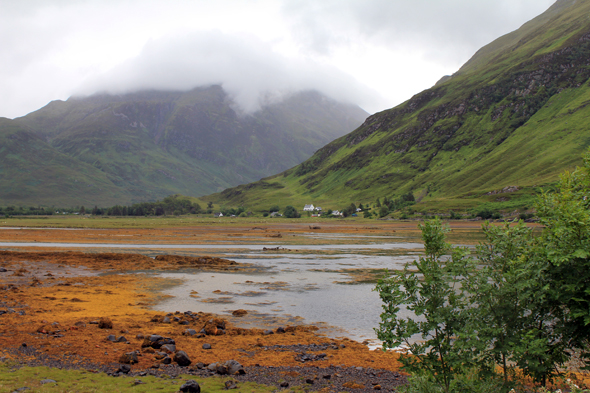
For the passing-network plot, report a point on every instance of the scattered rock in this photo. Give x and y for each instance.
(45, 381)
(268, 332)
(155, 341)
(2, 270)
(105, 323)
(206, 346)
(111, 337)
(284, 384)
(168, 348)
(182, 359)
(281, 330)
(122, 339)
(80, 324)
(129, 358)
(230, 385)
(214, 327)
(191, 386)
(124, 369)
(190, 332)
(234, 367)
(309, 357)
(166, 320)
(167, 360)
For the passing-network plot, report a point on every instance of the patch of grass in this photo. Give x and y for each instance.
(12, 378)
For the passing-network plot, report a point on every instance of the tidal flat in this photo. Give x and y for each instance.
(313, 280)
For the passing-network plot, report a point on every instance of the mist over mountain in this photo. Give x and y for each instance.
(247, 69)
(112, 149)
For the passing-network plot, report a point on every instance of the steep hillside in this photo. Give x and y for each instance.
(514, 117)
(148, 145)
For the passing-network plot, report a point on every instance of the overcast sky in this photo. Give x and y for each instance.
(375, 53)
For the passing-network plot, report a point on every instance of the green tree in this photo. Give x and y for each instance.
(273, 209)
(499, 313)
(559, 272)
(291, 212)
(430, 288)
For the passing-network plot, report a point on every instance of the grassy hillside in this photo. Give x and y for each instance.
(147, 145)
(37, 166)
(512, 119)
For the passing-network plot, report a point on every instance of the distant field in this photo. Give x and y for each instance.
(101, 222)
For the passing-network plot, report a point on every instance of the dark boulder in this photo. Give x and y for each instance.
(191, 386)
(182, 359)
(124, 369)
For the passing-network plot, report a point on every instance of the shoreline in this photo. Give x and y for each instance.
(62, 295)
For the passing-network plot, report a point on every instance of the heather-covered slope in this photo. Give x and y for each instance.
(515, 116)
(148, 145)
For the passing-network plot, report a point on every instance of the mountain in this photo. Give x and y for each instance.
(510, 120)
(146, 145)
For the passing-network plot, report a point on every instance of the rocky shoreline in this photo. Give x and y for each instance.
(313, 378)
(56, 310)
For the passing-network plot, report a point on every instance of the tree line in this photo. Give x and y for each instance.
(171, 205)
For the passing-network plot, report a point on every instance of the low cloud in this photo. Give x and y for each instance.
(247, 68)
(445, 29)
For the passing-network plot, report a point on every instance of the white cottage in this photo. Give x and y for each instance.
(308, 208)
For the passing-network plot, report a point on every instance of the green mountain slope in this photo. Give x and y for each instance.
(515, 116)
(28, 164)
(151, 144)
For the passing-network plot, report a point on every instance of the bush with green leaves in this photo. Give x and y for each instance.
(523, 302)
(430, 288)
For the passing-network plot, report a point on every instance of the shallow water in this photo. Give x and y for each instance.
(291, 288)
(305, 284)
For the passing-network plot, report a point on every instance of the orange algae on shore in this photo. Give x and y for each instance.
(60, 309)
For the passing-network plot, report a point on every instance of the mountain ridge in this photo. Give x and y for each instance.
(500, 121)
